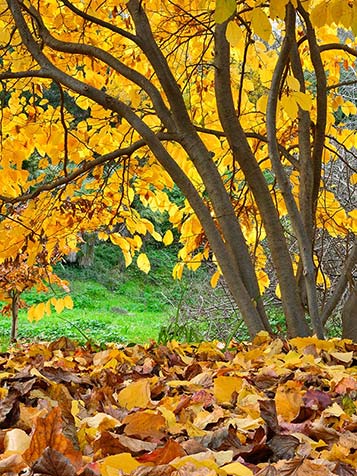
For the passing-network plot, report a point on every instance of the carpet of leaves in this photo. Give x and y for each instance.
(271, 407)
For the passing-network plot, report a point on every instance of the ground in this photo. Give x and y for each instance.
(266, 408)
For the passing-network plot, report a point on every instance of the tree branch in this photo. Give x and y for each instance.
(108, 59)
(86, 167)
(321, 104)
(98, 21)
(340, 286)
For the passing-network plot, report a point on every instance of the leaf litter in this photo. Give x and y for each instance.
(267, 408)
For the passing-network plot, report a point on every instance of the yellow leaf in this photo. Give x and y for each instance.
(319, 14)
(143, 263)
(303, 100)
(224, 387)
(224, 9)
(277, 9)
(293, 83)
(261, 24)
(168, 238)
(37, 312)
(156, 236)
(290, 106)
(178, 270)
(135, 395)
(215, 278)
(127, 257)
(118, 464)
(234, 34)
(237, 469)
(58, 304)
(288, 400)
(262, 103)
(354, 20)
(118, 240)
(68, 302)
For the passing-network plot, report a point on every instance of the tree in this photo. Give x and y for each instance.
(18, 275)
(232, 102)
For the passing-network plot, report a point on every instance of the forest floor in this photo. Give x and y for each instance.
(272, 407)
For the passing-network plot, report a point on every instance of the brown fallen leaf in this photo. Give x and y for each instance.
(160, 470)
(283, 446)
(110, 443)
(9, 410)
(53, 463)
(48, 433)
(269, 470)
(302, 467)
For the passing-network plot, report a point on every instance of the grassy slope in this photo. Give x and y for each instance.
(148, 301)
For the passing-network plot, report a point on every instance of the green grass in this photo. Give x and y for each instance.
(148, 301)
(93, 318)
(155, 305)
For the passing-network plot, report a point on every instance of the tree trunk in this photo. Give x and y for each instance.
(14, 315)
(349, 316)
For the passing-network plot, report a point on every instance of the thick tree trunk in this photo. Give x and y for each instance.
(293, 310)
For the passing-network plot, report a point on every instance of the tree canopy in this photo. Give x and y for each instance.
(108, 108)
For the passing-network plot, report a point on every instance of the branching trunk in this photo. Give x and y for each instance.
(305, 244)
(243, 155)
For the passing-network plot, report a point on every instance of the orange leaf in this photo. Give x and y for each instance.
(135, 395)
(144, 425)
(164, 455)
(48, 433)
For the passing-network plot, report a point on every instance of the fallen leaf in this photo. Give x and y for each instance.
(16, 441)
(145, 424)
(118, 464)
(48, 433)
(165, 454)
(135, 395)
(53, 463)
(237, 469)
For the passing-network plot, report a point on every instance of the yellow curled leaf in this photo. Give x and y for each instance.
(215, 278)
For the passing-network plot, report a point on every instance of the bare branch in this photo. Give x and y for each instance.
(98, 21)
(340, 286)
(338, 46)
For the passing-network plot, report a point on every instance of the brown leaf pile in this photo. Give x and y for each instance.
(269, 408)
